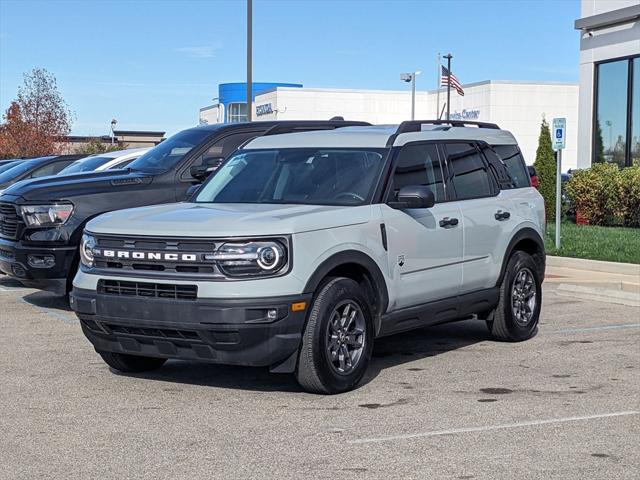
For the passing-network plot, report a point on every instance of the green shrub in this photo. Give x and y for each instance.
(595, 193)
(545, 165)
(629, 191)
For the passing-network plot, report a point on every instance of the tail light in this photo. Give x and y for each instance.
(534, 181)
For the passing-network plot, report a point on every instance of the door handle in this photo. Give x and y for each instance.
(447, 222)
(500, 215)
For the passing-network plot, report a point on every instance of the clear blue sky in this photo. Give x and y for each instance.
(153, 64)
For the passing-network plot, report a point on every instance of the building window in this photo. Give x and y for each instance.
(635, 112)
(236, 112)
(617, 112)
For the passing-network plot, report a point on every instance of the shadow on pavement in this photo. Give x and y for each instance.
(392, 351)
(48, 300)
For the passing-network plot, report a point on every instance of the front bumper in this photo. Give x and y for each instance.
(14, 261)
(233, 332)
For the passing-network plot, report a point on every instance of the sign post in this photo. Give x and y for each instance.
(559, 135)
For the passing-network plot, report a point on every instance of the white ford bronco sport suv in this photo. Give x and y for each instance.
(305, 247)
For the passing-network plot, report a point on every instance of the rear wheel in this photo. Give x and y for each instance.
(338, 339)
(517, 314)
(131, 363)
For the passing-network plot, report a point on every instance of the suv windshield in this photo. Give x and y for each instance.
(167, 154)
(311, 176)
(88, 164)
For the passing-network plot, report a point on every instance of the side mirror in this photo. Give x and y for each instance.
(209, 165)
(414, 196)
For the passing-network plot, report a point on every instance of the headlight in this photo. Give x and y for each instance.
(46, 215)
(87, 245)
(260, 258)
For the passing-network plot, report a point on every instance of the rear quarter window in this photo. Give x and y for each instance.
(513, 160)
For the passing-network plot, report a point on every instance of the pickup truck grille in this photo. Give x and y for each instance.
(156, 257)
(9, 221)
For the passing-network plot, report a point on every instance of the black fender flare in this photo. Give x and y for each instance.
(375, 276)
(526, 233)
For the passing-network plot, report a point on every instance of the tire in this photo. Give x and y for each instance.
(336, 346)
(516, 319)
(131, 363)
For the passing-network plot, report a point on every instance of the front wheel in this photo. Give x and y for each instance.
(131, 363)
(516, 317)
(338, 339)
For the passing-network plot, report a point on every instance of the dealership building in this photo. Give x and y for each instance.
(515, 106)
(609, 114)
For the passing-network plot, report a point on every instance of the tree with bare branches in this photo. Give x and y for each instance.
(36, 120)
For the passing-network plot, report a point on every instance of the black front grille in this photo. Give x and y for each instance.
(168, 333)
(8, 220)
(147, 290)
(197, 247)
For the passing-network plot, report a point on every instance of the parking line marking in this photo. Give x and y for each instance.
(487, 428)
(595, 329)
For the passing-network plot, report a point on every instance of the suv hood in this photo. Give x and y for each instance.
(48, 189)
(226, 220)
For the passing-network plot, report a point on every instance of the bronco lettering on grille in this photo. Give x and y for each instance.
(133, 255)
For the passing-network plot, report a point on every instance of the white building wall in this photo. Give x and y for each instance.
(211, 114)
(517, 107)
(597, 46)
(520, 108)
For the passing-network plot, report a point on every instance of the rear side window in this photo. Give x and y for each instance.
(513, 160)
(419, 165)
(50, 169)
(468, 171)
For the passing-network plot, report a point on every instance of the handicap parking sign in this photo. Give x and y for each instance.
(559, 128)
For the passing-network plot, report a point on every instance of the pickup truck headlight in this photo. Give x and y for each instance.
(87, 244)
(246, 259)
(46, 215)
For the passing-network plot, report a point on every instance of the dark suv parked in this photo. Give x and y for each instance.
(41, 221)
(35, 168)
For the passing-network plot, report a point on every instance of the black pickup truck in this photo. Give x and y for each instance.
(41, 221)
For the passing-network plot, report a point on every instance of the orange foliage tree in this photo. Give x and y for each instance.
(36, 120)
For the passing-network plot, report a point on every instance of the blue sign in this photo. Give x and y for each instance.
(264, 109)
(559, 129)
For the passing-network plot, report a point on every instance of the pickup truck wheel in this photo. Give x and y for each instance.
(517, 314)
(338, 339)
(131, 363)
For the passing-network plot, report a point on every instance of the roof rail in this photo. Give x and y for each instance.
(306, 126)
(416, 125)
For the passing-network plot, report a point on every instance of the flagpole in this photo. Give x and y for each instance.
(448, 57)
(438, 87)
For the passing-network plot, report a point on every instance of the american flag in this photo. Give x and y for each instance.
(445, 78)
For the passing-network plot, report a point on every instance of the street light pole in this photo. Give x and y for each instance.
(113, 133)
(413, 96)
(249, 60)
(411, 77)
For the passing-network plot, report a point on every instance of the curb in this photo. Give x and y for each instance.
(621, 297)
(594, 265)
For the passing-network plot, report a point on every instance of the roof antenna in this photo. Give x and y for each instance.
(337, 118)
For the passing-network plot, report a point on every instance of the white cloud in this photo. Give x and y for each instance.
(201, 51)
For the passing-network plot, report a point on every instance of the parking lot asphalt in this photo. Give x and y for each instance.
(443, 402)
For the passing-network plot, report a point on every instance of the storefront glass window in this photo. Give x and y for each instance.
(611, 108)
(635, 113)
(236, 112)
(617, 116)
